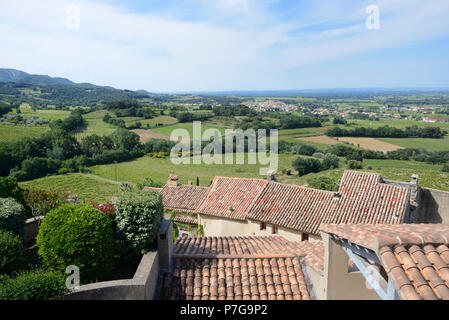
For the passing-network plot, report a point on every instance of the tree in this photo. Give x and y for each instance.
(322, 183)
(126, 140)
(138, 217)
(306, 165)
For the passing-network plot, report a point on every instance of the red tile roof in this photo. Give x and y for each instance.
(362, 198)
(185, 218)
(182, 197)
(228, 268)
(379, 235)
(231, 197)
(415, 256)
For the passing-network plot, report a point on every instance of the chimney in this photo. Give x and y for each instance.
(165, 244)
(173, 180)
(230, 209)
(189, 183)
(414, 179)
(270, 176)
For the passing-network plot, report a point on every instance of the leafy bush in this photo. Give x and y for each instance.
(352, 164)
(77, 235)
(10, 188)
(12, 216)
(306, 165)
(148, 182)
(445, 167)
(42, 201)
(330, 161)
(305, 149)
(11, 252)
(318, 155)
(33, 285)
(323, 183)
(107, 208)
(138, 217)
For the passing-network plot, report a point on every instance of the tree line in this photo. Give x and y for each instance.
(388, 132)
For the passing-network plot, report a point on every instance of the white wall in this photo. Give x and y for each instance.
(218, 226)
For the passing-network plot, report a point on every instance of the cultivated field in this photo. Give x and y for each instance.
(85, 186)
(15, 133)
(146, 135)
(319, 139)
(371, 144)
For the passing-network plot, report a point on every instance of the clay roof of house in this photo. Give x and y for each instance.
(152, 189)
(181, 197)
(184, 218)
(242, 268)
(415, 256)
(231, 197)
(362, 198)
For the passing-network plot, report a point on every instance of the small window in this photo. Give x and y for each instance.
(263, 226)
(274, 229)
(304, 237)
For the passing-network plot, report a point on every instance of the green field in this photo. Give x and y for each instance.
(86, 186)
(187, 126)
(15, 133)
(101, 184)
(428, 144)
(159, 169)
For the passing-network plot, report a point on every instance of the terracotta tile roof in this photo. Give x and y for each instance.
(418, 271)
(240, 268)
(231, 197)
(415, 256)
(292, 206)
(362, 198)
(152, 189)
(377, 236)
(185, 218)
(183, 197)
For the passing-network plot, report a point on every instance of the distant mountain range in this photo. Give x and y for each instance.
(13, 75)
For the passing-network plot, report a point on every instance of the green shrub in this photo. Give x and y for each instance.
(11, 252)
(306, 165)
(330, 161)
(445, 167)
(352, 164)
(305, 149)
(33, 285)
(78, 235)
(138, 216)
(322, 183)
(9, 188)
(12, 216)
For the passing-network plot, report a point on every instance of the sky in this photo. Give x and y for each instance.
(222, 45)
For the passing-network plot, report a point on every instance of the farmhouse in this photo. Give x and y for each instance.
(253, 207)
(351, 262)
(180, 202)
(435, 119)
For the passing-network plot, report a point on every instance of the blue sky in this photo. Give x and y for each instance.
(220, 45)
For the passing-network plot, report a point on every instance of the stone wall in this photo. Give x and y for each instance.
(433, 207)
(141, 287)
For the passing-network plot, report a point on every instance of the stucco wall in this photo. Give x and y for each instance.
(253, 229)
(141, 287)
(317, 282)
(217, 226)
(434, 206)
(32, 228)
(338, 283)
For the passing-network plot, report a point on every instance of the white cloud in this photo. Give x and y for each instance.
(143, 50)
